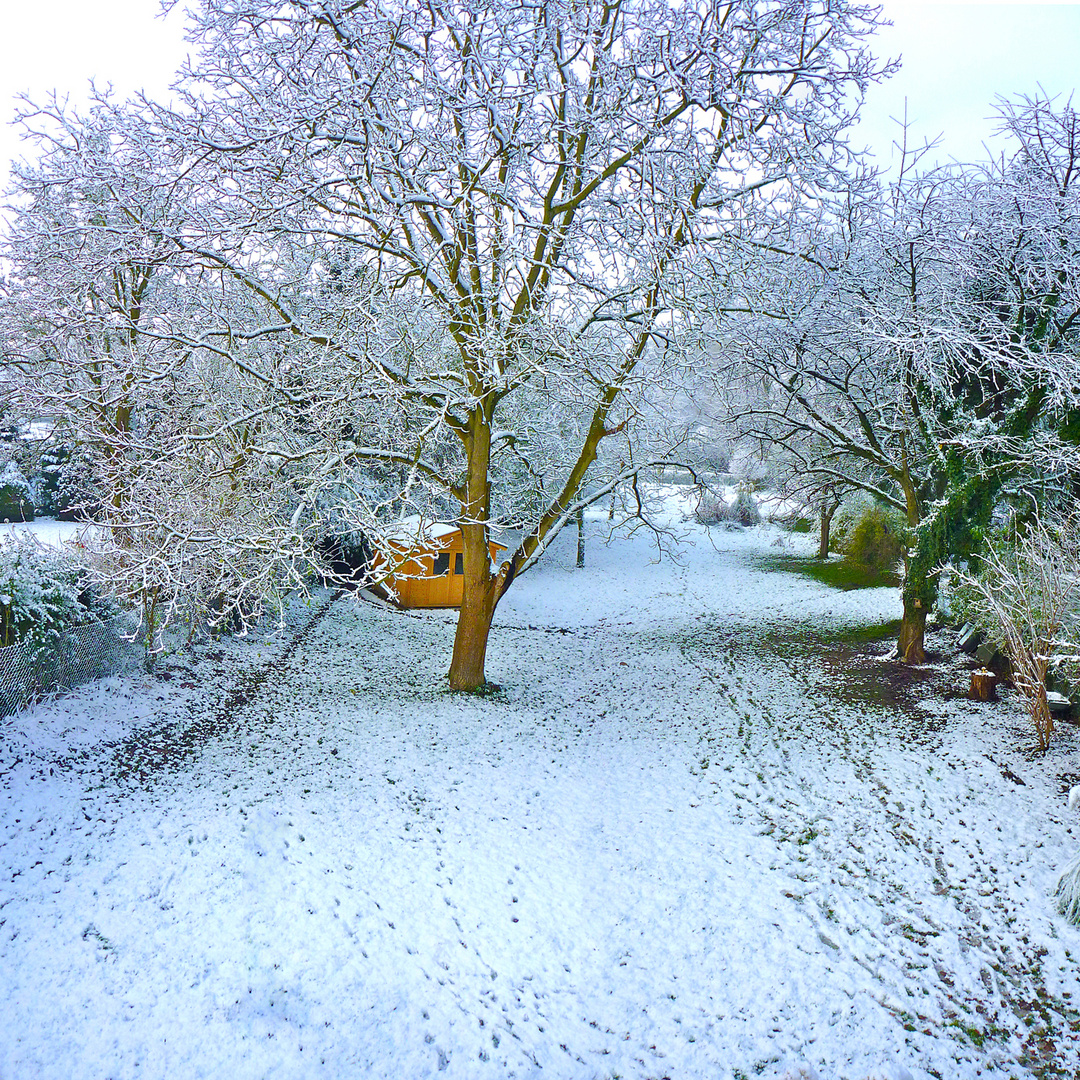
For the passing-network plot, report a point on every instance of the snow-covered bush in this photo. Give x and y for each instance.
(77, 489)
(745, 507)
(46, 481)
(713, 509)
(1026, 594)
(42, 594)
(16, 501)
(1067, 892)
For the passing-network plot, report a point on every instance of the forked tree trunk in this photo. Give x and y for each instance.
(471, 637)
(483, 587)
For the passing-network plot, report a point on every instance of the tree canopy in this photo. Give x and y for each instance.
(429, 256)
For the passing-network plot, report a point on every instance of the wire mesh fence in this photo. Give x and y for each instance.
(83, 653)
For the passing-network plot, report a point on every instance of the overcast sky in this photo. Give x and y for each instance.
(956, 58)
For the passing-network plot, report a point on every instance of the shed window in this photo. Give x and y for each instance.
(459, 564)
(442, 564)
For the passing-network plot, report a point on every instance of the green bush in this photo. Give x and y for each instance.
(876, 540)
(43, 593)
(844, 521)
(15, 501)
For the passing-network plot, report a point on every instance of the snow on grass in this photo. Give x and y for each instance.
(47, 531)
(681, 840)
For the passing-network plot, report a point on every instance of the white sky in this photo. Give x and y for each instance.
(956, 56)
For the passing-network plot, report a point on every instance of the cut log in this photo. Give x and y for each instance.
(983, 685)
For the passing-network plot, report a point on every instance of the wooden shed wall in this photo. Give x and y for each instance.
(427, 589)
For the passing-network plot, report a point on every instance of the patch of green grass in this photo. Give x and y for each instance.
(973, 1034)
(838, 573)
(858, 635)
(490, 690)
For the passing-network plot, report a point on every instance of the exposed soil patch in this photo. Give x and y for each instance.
(148, 751)
(867, 672)
(857, 667)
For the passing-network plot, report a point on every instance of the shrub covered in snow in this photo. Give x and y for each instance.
(77, 493)
(713, 509)
(42, 593)
(47, 480)
(745, 507)
(1026, 594)
(1067, 891)
(16, 502)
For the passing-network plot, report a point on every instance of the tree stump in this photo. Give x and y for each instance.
(983, 685)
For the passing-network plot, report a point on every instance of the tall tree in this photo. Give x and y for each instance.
(189, 519)
(448, 244)
(927, 352)
(524, 186)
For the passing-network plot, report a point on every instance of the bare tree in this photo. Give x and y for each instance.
(190, 521)
(1026, 593)
(927, 350)
(453, 238)
(834, 377)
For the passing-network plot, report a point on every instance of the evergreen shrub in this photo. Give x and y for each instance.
(16, 502)
(875, 541)
(43, 593)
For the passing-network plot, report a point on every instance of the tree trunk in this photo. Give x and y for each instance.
(580, 538)
(910, 646)
(474, 621)
(481, 587)
(827, 512)
(983, 685)
(920, 579)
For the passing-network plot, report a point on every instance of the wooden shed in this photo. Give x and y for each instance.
(428, 564)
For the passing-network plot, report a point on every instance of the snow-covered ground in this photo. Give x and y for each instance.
(47, 531)
(686, 838)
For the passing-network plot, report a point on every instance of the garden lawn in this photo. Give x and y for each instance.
(686, 837)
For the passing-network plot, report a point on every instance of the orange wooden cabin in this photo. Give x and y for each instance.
(427, 561)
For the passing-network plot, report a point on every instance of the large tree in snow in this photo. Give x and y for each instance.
(189, 520)
(927, 350)
(455, 239)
